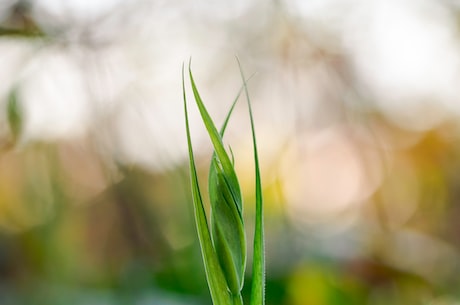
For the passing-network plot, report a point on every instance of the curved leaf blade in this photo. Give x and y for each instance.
(221, 154)
(216, 281)
(258, 267)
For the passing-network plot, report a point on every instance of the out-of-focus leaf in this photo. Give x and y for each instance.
(14, 114)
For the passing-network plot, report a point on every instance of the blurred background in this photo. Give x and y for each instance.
(357, 108)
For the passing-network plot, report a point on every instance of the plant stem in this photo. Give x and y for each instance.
(237, 299)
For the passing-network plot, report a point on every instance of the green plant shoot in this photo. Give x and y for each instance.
(223, 243)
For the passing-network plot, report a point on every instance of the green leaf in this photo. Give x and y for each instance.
(227, 230)
(221, 154)
(258, 267)
(227, 225)
(216, 281)
(227, 208)
(224, 252)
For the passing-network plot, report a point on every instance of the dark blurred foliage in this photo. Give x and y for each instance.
(20, 22)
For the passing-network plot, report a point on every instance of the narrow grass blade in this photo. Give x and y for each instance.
(222, 156)
(216, 280)
(230, 111)
(227, 227)
(227, 232)
(212, 168)
(228, 235)
(258, 267)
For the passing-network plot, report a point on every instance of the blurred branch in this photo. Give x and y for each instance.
(21, 32)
